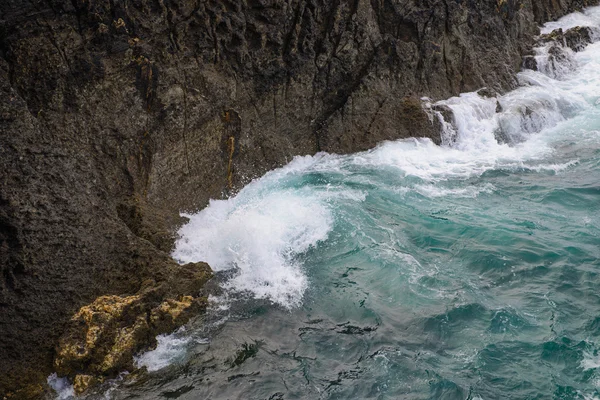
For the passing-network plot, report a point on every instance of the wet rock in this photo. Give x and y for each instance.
(502, 137)
(498, 107)
(487, 92)
(416, 120)
(248, 350)
(558, 60)
(28, 392)
(102, 337)
(448, 125)
(90, 332)
(576, 38)
(554, 36)
(171, 313)
(445, 111)
(81, 383)
(529, 62)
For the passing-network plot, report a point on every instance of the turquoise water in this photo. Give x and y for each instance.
(411, 271)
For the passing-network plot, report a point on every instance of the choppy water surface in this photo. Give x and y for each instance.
(412, 271)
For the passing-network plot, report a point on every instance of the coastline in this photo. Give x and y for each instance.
(114, 122)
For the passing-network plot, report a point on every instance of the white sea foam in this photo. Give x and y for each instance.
(170, 349)
(591, 360)
(589, 17)
(467, 191)
(559, 62)
(553, 167)
(423, 159)
(259, 233)
(219, 303)
(63, 388)
(502, 132)
(589, 396)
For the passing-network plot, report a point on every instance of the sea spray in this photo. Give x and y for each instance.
(259, 233)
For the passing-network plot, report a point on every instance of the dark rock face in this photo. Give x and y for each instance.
(115, 115)
(548, 10)
(529, 62)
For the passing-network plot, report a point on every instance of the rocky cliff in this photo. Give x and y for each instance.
(117, 114)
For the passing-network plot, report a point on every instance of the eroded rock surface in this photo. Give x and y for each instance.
(102, 337)
(116, 115)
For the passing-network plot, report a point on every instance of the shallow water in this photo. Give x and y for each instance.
(466, 271)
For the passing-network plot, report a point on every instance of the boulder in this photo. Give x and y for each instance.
(102, 337)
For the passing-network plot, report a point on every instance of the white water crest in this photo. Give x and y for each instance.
(259, 233)
(262, 233)
(559, 61)
(591, 360)
(432, 190)
(170, 348)
(63, 388)
(517, 128)
(590, 17)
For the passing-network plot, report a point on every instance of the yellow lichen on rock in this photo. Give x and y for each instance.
(82, 382)
(126, 343)
(170, 313)
(95, 317)
(172, 307)
(102, 337)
